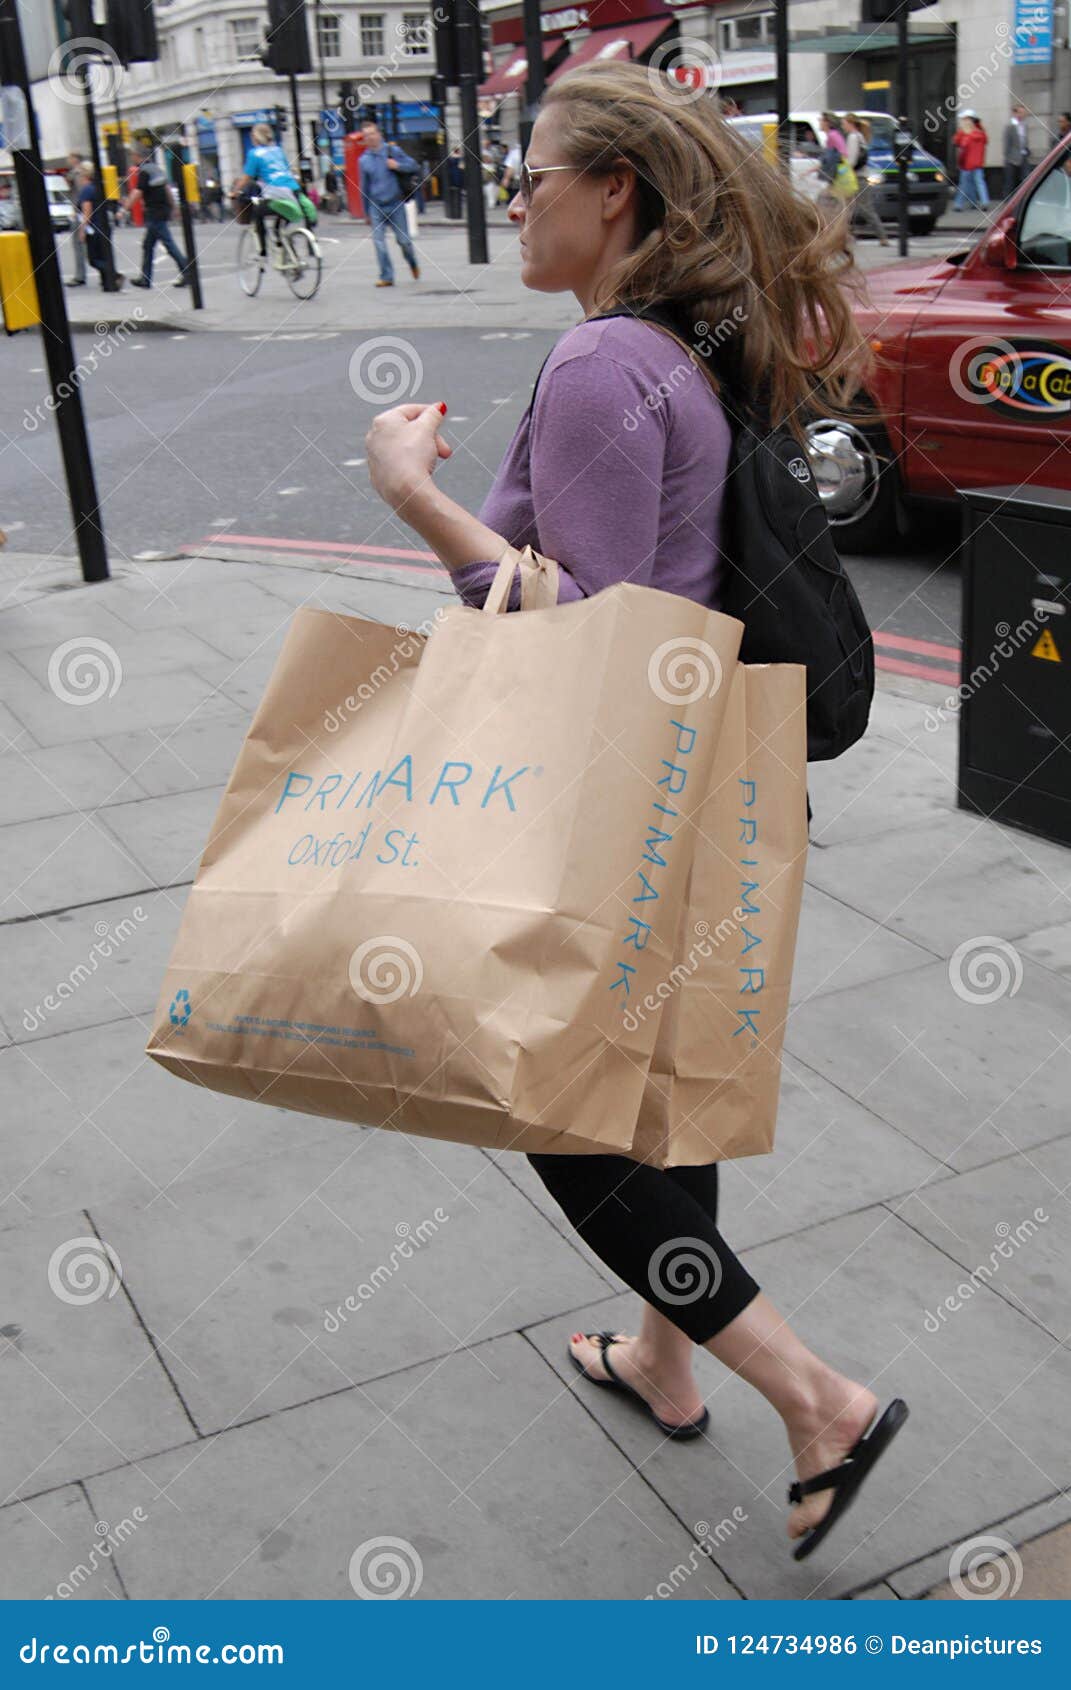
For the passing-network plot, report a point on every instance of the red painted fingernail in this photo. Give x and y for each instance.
(442, 408)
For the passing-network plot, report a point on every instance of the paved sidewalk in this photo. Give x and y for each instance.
(202, 1430)
(451, 292)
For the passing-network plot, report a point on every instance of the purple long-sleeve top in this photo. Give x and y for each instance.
(617, 471)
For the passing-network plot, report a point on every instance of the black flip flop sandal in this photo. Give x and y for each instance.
(690, 1428)
(845, 1480)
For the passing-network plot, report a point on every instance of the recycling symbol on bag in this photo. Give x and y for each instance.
(181, 1009)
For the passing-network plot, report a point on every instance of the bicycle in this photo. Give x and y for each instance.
(297, 255)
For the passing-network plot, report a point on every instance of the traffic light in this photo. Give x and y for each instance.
(287, 49)
(446, 60)
(131, 31)
(78, 20)
(887, 11)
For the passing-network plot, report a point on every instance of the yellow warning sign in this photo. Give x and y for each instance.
(1046, 647)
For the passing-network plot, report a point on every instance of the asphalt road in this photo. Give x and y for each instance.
(194, 435)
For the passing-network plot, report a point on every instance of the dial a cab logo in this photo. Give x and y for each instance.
(1023, 379)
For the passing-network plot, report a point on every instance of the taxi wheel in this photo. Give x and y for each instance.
(856, 474)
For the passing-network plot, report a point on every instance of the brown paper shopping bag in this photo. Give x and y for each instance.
(714, 1080)
(442, 863)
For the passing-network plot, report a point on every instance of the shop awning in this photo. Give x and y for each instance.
(512, 73)
(615, 41)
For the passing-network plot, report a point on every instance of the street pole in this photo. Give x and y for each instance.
(320, 59)
(534, 79)
(192, 267)
(110, 281)
(297, 121)
(470, 60)
(784, 133)
(903, 215)
(24, 145)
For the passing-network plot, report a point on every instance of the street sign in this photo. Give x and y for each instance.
(1032, 41)
(331, 123)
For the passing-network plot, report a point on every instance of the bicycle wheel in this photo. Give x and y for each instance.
(250, 263)
(303, 263)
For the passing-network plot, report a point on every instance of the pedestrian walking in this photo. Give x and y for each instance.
(92, 228)
(151, 184)
(1063, 125)
(619, 203)
(1016, 150)
(511, 169)
(970, 142)
(386, 174)
(857, 150)
(75, 183)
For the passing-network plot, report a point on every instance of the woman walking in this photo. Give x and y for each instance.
(970, 142)
(630, 197)
(857, 144)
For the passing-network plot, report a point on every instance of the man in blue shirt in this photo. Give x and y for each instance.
(382, 163)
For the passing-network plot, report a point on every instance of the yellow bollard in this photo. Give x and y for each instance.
(18, 290)
(192, 183)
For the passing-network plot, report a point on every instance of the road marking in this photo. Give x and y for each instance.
(352, 463)
(901, 666)
(922, 648)
(288, 492)
(328, 547)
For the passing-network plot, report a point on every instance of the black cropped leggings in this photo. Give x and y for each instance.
(657, 1229)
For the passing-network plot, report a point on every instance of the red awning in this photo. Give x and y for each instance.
(615, 41)
(512, 72)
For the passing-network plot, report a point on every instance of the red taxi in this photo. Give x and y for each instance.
(972, 379)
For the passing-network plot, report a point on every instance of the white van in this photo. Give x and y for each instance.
(59, 201)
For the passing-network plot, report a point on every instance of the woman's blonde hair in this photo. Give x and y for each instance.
(723, 238)
(262, 134)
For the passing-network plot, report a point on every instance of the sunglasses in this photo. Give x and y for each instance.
(528, 178)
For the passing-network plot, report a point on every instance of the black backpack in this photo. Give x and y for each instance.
(783, 579)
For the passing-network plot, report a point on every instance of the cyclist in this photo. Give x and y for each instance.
(270, 185)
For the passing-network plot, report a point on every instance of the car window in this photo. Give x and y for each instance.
(1045, 230)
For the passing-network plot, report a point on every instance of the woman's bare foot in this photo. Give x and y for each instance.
(676, 1399)
(820, 1434)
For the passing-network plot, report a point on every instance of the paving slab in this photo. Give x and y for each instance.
(90, 1116)
(88, 965)
(978, 1441)
(1006, 1225)
(80, 1386)
(139, 654)
(837, 948)
(59, 861)
(431, 1469)
(54, 1547)
(946, 881)
(1044, 1524)
(876, 783)
(831, 1155)
(247, 1276)
(166, 835)
(164, 701)
(153, 600)
(1050, 946)
(15, 737)
(967, 1081)
(1038, 1572)
(202, 753)
(62, 780)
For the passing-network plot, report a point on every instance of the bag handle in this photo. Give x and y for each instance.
(539, 581)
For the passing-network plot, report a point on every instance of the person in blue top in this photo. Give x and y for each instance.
(270, 185)
(381, 165)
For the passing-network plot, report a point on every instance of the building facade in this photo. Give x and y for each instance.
(210, 86)
(965, 54)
